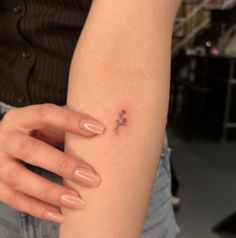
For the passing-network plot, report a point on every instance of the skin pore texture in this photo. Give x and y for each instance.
(120, 75)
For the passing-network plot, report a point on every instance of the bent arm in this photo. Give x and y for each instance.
(121, 62)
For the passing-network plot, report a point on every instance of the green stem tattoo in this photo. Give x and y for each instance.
(122, 121)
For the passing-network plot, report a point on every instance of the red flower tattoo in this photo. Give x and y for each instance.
(122, 121)
(125, 120)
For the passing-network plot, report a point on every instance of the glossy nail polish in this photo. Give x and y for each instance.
(89, 125)
(56, 217)
(72, 201)
(84, 175)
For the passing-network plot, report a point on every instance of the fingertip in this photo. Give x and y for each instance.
(55, 216)
(92, 127)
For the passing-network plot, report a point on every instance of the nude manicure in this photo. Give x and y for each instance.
(84, 175)
(72, 201)
(89, 125)
(55, 217)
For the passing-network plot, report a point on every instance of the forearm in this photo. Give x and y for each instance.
(120, 63)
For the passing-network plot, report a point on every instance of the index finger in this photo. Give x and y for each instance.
(39, 116)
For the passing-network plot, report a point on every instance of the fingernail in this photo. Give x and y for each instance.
(84, 175)
(55, 217)
(72, 201)
(89, 125)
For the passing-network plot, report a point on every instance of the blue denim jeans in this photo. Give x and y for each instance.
(159, 223)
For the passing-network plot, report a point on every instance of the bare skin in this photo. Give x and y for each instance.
(121, 63)
(29, 135)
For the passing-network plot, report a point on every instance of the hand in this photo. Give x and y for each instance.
(51, 135)
(26, 191)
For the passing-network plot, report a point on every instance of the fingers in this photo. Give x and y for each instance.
(23, 189)
(30, 205)
(18, 178)
(51, 136)
(35, 117)
(41, 154)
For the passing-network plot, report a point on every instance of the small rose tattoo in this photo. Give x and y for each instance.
(122, 121)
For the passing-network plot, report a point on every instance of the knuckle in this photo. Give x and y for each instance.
(42, 212)
(14, 202)
(63, 165)
(12, 177)
(47, 193)
(9, 116)
(44, 109)
(27, 146)
(69, 119)
(33, 209)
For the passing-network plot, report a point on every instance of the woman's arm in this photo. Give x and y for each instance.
(121, 62)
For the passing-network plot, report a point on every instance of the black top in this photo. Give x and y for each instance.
(37, 40)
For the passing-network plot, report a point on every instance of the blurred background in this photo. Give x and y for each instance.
(202, 118)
